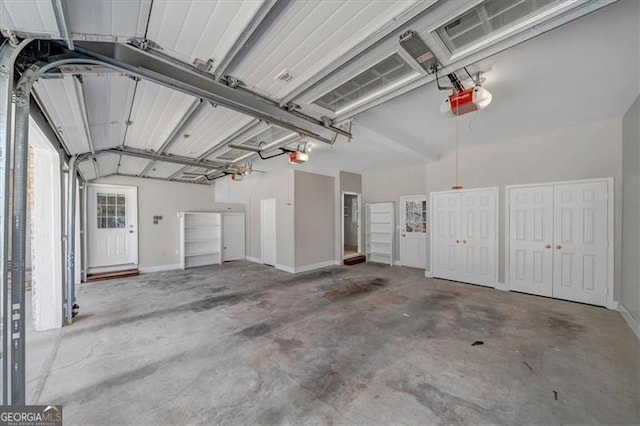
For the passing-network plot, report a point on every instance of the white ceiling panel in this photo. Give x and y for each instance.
(108, 97)
(208, 128)
(87, 169)
(29, 16)
(132, 165)
(115, 20)
(200, 29)
(157, 110)
(164, 170)
(107, 164)
(308, 36)
(60, 100)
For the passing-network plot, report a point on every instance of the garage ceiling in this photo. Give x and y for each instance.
(299, 51)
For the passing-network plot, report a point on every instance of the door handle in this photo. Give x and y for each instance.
(131, 232)
(548, 246)
(458, 241)
(464, 241)
(558, 246)
(404, 235)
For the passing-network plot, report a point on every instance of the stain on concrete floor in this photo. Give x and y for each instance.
(245, 344)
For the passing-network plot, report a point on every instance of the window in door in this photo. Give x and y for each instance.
(416, 216)
(111, 211)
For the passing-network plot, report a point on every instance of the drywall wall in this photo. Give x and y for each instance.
(276, 184)
(630, 286)
(314, 219)
(158, 244)
(390, 185)
(588, 151)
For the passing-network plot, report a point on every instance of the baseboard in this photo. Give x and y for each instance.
(253, 259)
(428, 274)
(397, 263)
(635, 325)
(315, 266)
(285, 268)
(160, 268)
(501, 286)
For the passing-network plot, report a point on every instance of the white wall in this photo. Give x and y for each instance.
(588, 151)
(390, 185)
(158, 245)
(630, 288)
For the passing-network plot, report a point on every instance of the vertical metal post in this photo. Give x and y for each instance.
(18, 252)
(71, 239)
(6, 82)
(8, 54)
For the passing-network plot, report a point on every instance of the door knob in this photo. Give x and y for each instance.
(457, 241)
(404, 235)
(558, 246)
(548, 246)
(131, 232)
(464, 241)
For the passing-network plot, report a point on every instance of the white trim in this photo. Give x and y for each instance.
(159, 268)
(501, 286)
(315, 266)
(285, 268)
(428, 274)
(610, 303)
(253, 259)
(359, 198)
(632, 322)
(397, 263)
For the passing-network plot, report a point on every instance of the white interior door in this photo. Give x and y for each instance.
(232, 236)
(531, 240)
(413, 231)
(112, 223)
(445, 214)
(581, 242)
(478, 237)
(268, 231)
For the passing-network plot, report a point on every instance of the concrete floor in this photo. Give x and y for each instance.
(246, 344)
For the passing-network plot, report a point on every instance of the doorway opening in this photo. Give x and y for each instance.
(351, 229)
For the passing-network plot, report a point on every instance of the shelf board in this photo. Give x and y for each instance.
(202, 253)
(377, 232)
(379, 242)
(202, 240)
(213, 225)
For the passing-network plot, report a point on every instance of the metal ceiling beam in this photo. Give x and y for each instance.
(263, 19)
(188, 116)
(60, 11)
(170, 74)
(78, 85)
(167, 158)
(150, 177)
(235, 136)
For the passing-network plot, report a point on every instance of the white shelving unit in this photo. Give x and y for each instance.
(200, 239)
(380, 225)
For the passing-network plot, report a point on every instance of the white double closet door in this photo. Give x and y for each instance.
(558, 240)
(464, 241)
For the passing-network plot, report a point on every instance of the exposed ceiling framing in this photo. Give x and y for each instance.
(235, 86)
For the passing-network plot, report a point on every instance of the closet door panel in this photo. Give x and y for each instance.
(580, 242)
(479, 249)
(530, 254)
(445, 233)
